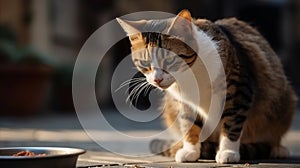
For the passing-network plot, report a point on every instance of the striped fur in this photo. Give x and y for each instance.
(260, 102)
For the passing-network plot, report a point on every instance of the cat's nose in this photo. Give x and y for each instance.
(158, 80)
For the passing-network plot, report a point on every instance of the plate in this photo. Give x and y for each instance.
(55, 157)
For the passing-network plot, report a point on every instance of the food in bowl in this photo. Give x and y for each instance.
(28, 153)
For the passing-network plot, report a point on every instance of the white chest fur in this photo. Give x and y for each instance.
(193, 86)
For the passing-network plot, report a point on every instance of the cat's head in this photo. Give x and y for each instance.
(162, 52)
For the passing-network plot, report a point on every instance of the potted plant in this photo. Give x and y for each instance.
(61, 98)
(25, 75)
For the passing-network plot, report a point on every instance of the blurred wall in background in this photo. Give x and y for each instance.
(58, 28)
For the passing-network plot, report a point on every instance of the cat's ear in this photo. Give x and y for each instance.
(182, 24)
(186, 15)
(131, 27)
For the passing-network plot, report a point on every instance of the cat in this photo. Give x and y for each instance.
(259, 105)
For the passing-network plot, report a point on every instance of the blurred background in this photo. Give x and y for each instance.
(40, 40)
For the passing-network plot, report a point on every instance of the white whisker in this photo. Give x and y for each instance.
(135, 91)
(134, 85)
(147, 89)
(127, 82)
(144, 85)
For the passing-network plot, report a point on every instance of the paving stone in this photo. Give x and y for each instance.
(65, 130)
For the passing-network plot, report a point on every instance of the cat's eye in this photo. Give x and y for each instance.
(145, 63)
(170, 60)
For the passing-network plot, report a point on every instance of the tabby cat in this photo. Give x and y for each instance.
(259, 104)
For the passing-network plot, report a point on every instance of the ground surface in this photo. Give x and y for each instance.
(54, 129)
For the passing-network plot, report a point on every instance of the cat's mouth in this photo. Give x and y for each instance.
(162, 82)
(162, 86)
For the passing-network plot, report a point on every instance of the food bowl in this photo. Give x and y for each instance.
(50, 157)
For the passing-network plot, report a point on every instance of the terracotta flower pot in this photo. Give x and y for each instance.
(23, 88)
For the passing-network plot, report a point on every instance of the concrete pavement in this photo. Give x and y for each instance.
(54, 129)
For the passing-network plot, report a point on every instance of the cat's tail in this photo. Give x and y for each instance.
(208, 149)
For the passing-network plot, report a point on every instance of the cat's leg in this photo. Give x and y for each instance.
(239, 99)
(190, 150)
(286, 112)
(233, 118)
(191, 147)
(232, 126)
(228, 150)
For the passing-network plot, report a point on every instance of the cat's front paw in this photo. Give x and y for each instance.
(184, 155)
(227, 156)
